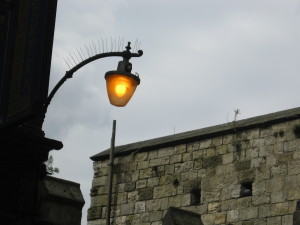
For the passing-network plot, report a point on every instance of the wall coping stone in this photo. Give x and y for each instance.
(201, 134)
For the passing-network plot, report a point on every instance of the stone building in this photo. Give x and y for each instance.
(244, 172)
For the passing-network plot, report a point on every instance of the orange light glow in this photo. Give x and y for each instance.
(120, 88)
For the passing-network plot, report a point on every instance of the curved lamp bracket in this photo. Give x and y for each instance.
(69, 74)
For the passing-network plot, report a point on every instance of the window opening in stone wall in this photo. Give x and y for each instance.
(246, 189)
(296, 215)
(196, 196)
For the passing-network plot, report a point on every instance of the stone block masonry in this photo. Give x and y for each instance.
(242, 173)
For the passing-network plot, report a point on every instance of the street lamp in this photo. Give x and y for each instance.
(120, 84)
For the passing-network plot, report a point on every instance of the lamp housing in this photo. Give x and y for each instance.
(121, 84)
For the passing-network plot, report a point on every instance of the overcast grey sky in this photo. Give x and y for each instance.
(202, 59)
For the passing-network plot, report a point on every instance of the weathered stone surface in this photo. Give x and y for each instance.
(140, 207)
(280, 209)
(212, 161)
(278, 196)
(243, 165)
(249, 222)
(262, 199)
(99, 181)
(211, 152)
(175, 158)
(248, 213)
(155, 216)
(176, 216)
(191, 185)
(228, 158)
(151, 182)
(162, 191)
(274, 221)
(205, 143)
(216, 141)
(232, 216)
(141, 156)
(142, 165)
(214, 207)
(145, 194)
(155, 204)
(211, 195)
(129, 186)
(220, 218)
(132, 196)
(141, 184)
(94, 191)
(94, 213)
(159, 161)
(166, 152)
(99, 200)
(146, 173)
(175, 201)
(127, 209)
(294, 167)
(292, 187)
(193, 146)
(287, 220)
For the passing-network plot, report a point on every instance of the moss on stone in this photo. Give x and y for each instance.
(242, 165)
(212, 161)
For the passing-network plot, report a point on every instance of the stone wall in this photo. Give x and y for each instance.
(60, 202)
(240, 173)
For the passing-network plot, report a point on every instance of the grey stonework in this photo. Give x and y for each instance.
(261, 156)
(176, 216)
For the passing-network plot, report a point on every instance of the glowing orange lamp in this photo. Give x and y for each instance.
(121, 84)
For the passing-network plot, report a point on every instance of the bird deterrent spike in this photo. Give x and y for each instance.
(119, 43)
(110, 43)
(139, 45)
(78, 52)
(76, 57)
(91, 49)
(114, 45)
(95, 48)
(87, 50)
(67, 63)
(70, 62)
(116, 48)
(83, 53)
(102, 45)
(123, 43)
(99, 47)
(106, 45)
(136, 45)
(73, 59)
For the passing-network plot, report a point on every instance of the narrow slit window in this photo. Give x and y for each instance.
(246, 189)
(196, 196)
